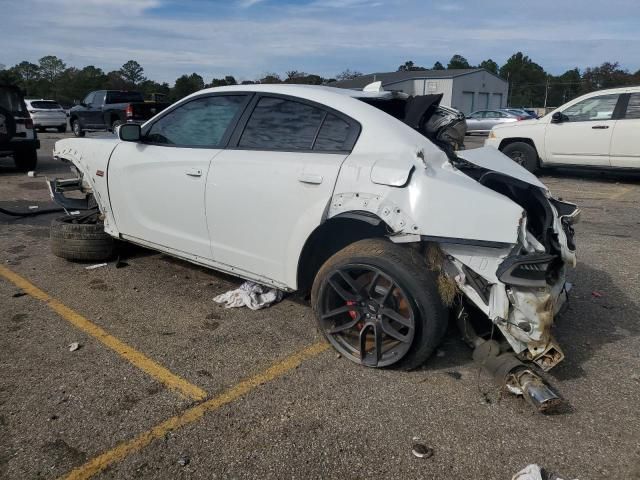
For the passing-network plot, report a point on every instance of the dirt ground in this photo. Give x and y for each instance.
(166, 384)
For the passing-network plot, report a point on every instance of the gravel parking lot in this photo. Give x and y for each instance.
(166, 384)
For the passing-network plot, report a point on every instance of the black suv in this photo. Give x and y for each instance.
(17, 136)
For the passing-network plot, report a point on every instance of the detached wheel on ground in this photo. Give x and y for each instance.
(523, 154)
(77, 128)
(25, 160)
(80, 241)
(377, 303)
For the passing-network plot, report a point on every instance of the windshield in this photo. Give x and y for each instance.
(45, 105)
(11, 100)
(124, 97)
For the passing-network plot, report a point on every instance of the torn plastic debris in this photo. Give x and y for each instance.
(535, 472)
(74, 346)
(250, 294)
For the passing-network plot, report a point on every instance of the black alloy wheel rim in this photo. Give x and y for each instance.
(366, 315)
(76, 127)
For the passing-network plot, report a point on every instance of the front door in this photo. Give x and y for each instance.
(158, 186)
(269, 191)
(584, 137)
(625, 141)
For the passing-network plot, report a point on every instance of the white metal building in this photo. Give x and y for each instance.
(466, 90)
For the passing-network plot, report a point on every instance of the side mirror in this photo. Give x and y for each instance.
(558, 117)
(129, 132)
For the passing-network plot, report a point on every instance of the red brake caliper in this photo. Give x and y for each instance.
(353, 314)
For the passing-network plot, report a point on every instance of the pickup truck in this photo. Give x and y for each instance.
(106, 109)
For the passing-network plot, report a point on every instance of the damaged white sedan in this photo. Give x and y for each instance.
(358, 196)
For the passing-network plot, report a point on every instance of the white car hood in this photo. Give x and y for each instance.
(492, 159)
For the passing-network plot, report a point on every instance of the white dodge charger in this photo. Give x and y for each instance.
(356, 196)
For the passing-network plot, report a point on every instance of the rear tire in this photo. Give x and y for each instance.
(77, 128)
(115, 124)
(80, 241)
(523, 154)
(26, 160)
(396, 284)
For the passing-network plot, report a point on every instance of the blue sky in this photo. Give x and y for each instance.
(248, 38)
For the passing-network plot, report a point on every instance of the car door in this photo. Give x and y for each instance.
(157, 186)
(269, 189)
(584, 135)
(474, 121)
(625, 140)
(83, 111)
(94, 111)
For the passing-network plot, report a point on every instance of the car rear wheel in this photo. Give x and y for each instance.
(77, 128)
(116, 124)
(377, 303)
(26, 160)
(76, 241)
(523, 154)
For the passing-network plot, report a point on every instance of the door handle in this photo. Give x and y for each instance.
(600, 127)
(193, 172)
(310, 178)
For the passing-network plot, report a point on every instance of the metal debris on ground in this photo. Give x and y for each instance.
(74, 346)
(184, 461)
(421, 451)
(97, 265)
(250, 294)
(535, 472)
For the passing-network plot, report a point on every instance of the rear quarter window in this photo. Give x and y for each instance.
(334, 135)
(279, 124)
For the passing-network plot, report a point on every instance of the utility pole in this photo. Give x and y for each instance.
(546, 94)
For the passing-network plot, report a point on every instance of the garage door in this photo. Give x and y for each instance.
(496, 101)
(467, 102)
(483, 101)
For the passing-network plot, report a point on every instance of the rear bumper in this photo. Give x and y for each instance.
(50, 122)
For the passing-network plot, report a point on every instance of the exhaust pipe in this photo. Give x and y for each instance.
(508, 370)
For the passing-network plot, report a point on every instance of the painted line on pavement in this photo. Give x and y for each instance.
(121, 451)
(138, 359)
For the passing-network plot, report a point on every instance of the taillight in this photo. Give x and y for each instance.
(28, 123)
(129, 111)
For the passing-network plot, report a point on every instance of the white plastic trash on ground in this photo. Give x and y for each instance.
(534, 472)
(250, 294)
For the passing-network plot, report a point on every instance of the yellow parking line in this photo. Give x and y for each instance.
(99, 463)
(135, 357)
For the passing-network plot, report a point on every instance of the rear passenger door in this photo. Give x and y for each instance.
(269, 189)
(625, 140)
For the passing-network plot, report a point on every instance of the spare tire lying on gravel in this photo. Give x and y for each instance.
(80, 241)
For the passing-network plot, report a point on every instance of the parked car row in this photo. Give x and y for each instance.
(482, 121)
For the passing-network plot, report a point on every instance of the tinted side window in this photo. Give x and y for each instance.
(281, 125)
(200, 123)
(333, 135)
(633, 109)
(98, 99)
(594, 108)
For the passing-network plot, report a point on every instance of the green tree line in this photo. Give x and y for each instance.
(529, 84)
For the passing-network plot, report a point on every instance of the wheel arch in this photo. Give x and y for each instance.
(333, 235)
(509, 141)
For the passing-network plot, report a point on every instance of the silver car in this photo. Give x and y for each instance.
(47, 114)
(483, 121)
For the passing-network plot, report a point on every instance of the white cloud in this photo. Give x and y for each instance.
(107, 33)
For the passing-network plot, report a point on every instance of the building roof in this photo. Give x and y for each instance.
(388, 78)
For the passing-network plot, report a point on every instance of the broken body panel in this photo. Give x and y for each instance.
(505, 240)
